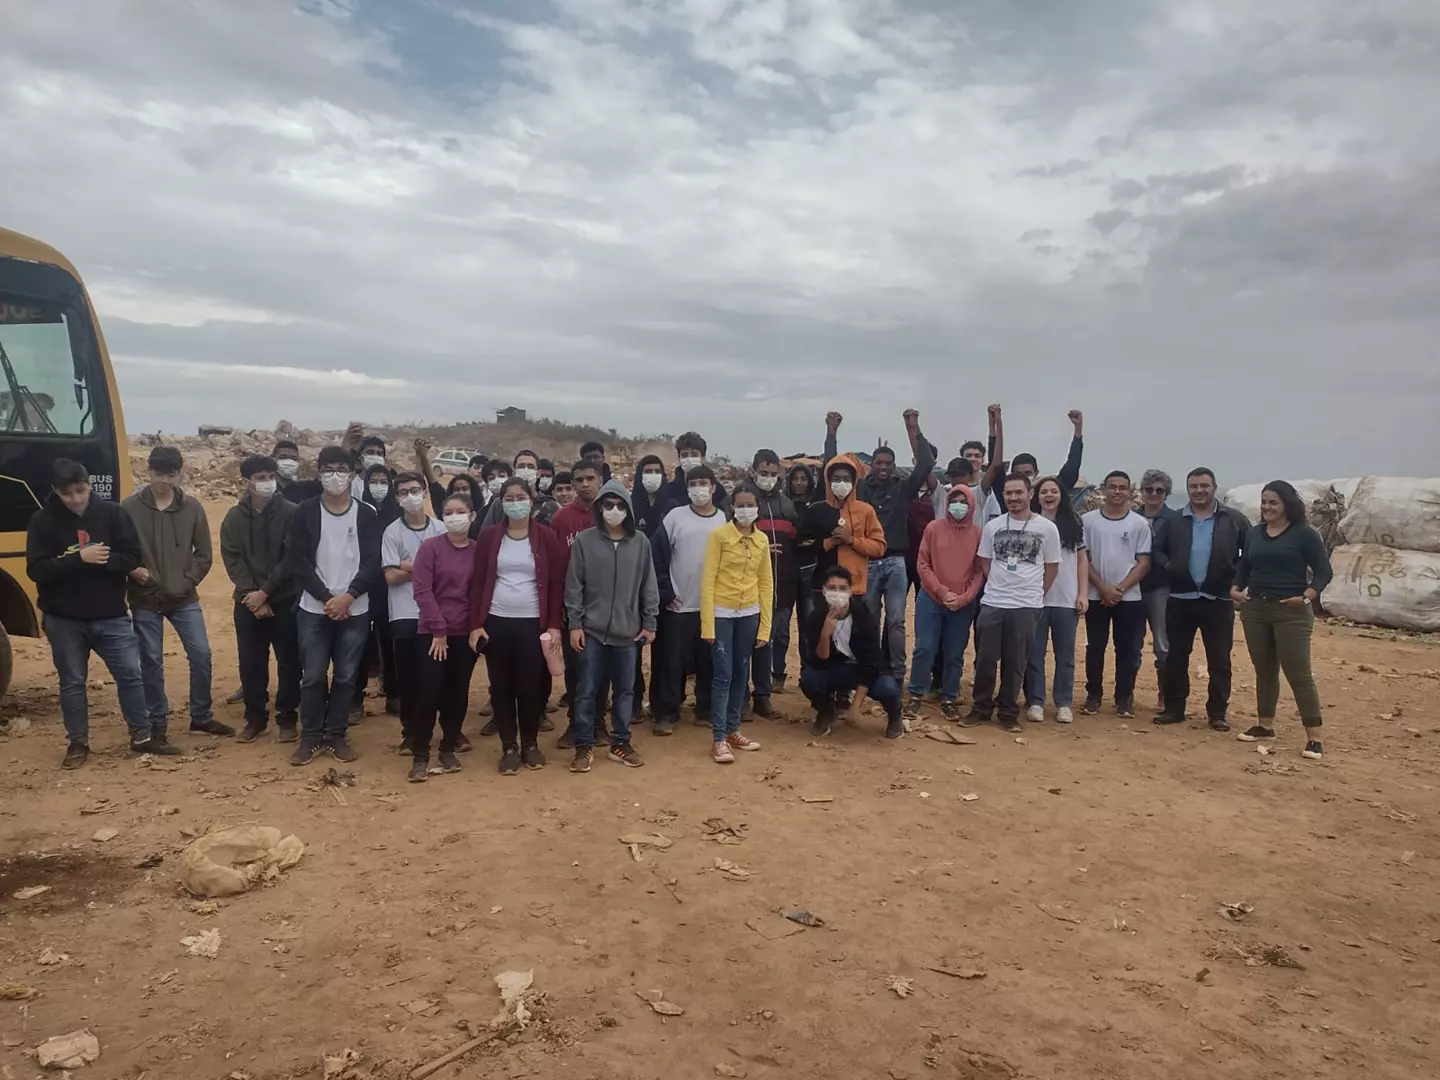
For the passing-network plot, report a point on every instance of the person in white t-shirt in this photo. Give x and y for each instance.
(1020, 554)
(1118, 542)
(399, 543)
(1065, 602)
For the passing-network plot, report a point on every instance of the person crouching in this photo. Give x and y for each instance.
(844, 657)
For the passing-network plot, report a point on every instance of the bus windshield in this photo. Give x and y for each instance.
(43, 391)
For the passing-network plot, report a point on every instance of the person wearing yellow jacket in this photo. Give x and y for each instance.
(736, 596)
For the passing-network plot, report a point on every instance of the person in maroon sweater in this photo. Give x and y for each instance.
(569, 522)
(517, 594)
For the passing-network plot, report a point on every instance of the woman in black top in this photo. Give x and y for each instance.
(1284, 569)
(379, 492)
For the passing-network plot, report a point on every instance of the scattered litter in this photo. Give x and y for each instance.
(50, 958)
(1202, 975)
(900, 985)
(654, 840)
(773, 929)
(331, 778)
(1117, 923)
(1236, 911)
(16, 992)
(230, 861)
(104, 806)
(29, 892)
(1255, 954)
(1405, 858)
(1351, 944)
(206, 943)
(805, 918)
(104, 836)
(960, 973)
(731, 1071)
(497, 909)
(722, 832)
(164, 810)
(203, 907)
(1367, 669)
(945, 735)
(656, 1000)
(1263, 750)
(1055, 790)
(1062, 917)
(15, 725)
(72, 1051)
(965, 770)
(421, 1006)
(731, 870)
(924, 794)
(1021, 740)
(337, 1066)
(635, 852)
(149, 862)
(817, 798)
(969, 796)
(514, 987)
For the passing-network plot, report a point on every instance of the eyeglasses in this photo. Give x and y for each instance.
(1154, 491)
(335, 472)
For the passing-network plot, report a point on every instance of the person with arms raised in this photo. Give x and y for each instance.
(1118, 541)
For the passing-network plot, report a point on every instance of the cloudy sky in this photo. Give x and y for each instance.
(1214, 225)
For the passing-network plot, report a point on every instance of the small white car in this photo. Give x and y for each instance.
(452, 462)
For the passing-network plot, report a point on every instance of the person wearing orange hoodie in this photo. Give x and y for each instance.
(945, 607)
(842, 530)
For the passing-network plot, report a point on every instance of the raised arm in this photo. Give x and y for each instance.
(833, 420)
(1069, 474)
(923, 454)
(996, 468)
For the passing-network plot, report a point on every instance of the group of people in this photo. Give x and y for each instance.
(568, 575)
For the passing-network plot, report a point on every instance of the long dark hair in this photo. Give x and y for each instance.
(1067, 521)
(1290, 500)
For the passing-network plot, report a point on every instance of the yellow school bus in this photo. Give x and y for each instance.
(57, 399)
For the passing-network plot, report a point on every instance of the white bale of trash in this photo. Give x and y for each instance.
(1385, 586)
(1395, 511)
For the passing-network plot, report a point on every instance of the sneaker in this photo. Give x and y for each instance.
(491, 728)
(287, 732)
(738, 741)
(462, 744)
(1256, 733)
(546, 724)
(974, 718)
(1313, 750)
(1010, 724)
(158, 745)
(763, 709)
(720, 754)
(1035, 714)
(625, 754)
(236, 698)
(76, 754)
(392, 705)
(894, 728)
(306, 751)
(340, 748)
(1219, 725)
(1168, 717)
(583, 759)
(449, 762)
(777, 684)
(663, 725)
(567, 740)
(1064, 715)
(212, 727)
(1125, 709)
(911, 711)
(419, 770)
(252, 730)
(1091, 706)
(532, 758)
(823, 724)
(406, 747)
(950, 710)
(510, 761)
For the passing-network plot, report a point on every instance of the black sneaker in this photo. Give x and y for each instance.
(449, 762)
(950, 710)
(663, 725)
(824, 723)
(392, 705)
(1256, 733)
(491, 727)
(894, 728)
(913, 703)
(462, 744)
(510, 761)
(532, 758)
(975, 717)
(567, 740)
(1011, 724)
(307, 750)
(583, 759)
(1168, 717)
(212, 727)
(158, 745)
(287, 732)
(625, 754)
(419, 770)
(763, 709)
(236, 698)
(407, 746)
(1313, 750)
(340, 748)
(252, 730)
(1219, 723)
(546, 724)
(1125, 709)
(1091, 706)
(76, 754)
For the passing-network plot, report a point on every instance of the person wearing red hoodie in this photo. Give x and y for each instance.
(950, 578)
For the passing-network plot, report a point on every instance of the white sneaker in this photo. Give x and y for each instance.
(1035, 714)
(1063, 715)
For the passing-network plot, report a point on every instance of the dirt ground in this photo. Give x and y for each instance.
(1084, 882)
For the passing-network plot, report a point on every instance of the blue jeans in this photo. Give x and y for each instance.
(325, 702)
(939, 630)
(189, 624)
(769, 662)
(821, 684)
(889, 581)
(113, 640)
(598, 665)
(734, 642)
(1057, 625)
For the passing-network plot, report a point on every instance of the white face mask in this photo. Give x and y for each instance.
(494, 484)
(689, 463)
(457, 523)
(517, 511)
(372, 459)
(959, 510)
(265, 488)
(746, 515)
(412, 502)
(289, 468)
(379, 491)
(766, 483)
(544, 482)
(335, 483)
(700, 494)
(837, 598)
(841, 488)
(651, 481)
(528, 475)
(614, 516)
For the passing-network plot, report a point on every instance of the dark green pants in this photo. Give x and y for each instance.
(1278, 636)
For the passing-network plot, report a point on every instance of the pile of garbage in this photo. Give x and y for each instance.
(1383, 533)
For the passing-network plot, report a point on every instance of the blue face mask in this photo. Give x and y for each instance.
(517, 511)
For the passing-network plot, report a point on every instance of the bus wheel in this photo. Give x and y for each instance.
(7, 662)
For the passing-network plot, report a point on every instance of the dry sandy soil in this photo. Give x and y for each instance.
(1084, 882)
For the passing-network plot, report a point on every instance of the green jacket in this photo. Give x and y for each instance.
(175, 547)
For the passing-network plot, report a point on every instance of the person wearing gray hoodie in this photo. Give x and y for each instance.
(612, 603)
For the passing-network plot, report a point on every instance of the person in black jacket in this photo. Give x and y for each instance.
(846, 656)
(252, 547)
(691, 448)
(333, 553)
(379, 493)
(78, 551)
(780, 522)
(1199, 550)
